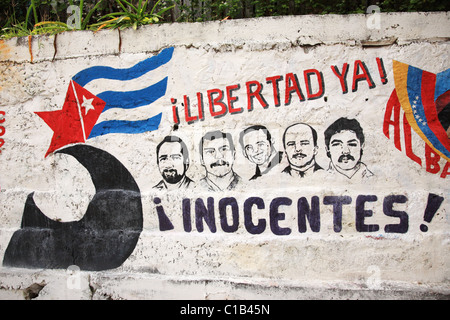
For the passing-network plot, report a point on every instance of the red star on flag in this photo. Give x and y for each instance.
(74, 122)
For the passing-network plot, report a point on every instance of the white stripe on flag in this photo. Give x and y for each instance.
(79, 110)
(101, 85)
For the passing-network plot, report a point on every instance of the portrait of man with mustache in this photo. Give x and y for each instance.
(344, 140)
(217, 156)
(300, 145)
(173, 161)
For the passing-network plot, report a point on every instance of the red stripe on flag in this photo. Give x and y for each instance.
(429, 106)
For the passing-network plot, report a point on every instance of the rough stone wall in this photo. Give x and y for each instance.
(74, 225)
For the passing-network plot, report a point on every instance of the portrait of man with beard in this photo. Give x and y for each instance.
(344, 140)
(173, 161)
(300, 145)
(217, 156)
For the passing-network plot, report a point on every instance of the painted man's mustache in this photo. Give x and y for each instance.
(299, 155)
(171, 176)
(346, 158)
(219, 163)
(170, 171)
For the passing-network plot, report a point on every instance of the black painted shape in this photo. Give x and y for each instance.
(103, 239)
(444, 117)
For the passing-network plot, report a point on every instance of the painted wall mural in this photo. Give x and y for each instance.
(425, 100)
(80, 118)
(207, 200)
(222, 101)
(102, 239)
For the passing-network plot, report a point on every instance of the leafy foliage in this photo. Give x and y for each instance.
(25, 17)
(197, 10)
(131, 16)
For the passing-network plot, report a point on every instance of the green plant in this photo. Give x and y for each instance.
(131, 16)
(57, 26)
(84, 22)
(13, 28)
(21, 29)
(29, 17)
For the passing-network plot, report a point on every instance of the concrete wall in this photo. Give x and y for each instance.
(82, 115)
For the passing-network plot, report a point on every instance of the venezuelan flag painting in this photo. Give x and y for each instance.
(425, 99)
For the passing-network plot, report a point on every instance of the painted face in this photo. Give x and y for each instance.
(256, 147)
(299, 146)
(171, 164)
(218, 157)
(345, 149)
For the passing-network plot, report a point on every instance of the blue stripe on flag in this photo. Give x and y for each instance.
(87, 75)
(414, 84)
(122, 126)
(134, 99)
(442, 83)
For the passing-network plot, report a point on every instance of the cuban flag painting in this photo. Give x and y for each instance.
(425, 99)
(99, 101)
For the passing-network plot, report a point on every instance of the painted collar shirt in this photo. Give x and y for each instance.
(302, 174)
(185, 183)
(211, 186)
(275, 160)
(362, 171)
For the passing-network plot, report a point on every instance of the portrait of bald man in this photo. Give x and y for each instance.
(300, 145)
